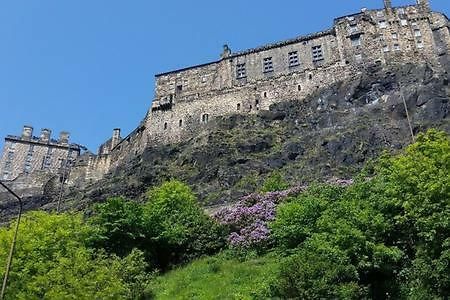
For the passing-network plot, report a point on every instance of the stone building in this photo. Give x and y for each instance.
(26, 154)
(248, 81)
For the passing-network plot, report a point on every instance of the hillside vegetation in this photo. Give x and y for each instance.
(384, 234)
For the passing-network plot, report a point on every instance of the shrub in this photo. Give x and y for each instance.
(177, 228)
(275, 182)
(52, 261)
(118, 226)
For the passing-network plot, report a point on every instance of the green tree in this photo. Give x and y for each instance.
(118, 226)
(176, 226)
(52, 261)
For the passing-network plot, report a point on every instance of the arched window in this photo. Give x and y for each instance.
(205, 118)
(165, 125)
(265, 94)
(180, 123)
(310, 76)
(299, 87)
(238, 106)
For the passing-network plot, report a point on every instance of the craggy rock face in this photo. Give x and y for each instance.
(329, 134)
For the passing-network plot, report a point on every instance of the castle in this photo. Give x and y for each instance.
(251, 80)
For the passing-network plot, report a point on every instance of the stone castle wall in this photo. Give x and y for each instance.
(248, 81)
(27, 154)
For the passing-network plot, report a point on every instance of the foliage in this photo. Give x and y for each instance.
(118, 226)
(275, 182)
(319, 270)
(219, 277)
(247, 220)
(177, 228)
(390, 230)
(52, 261)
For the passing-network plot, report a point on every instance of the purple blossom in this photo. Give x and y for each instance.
(248, 219)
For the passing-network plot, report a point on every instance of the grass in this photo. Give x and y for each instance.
(219, 277)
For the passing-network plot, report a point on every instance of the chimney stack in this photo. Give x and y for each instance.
(63, 138)
(27, 132)
(424, 5)
(388, 6)
(115, 137)
(45, 135)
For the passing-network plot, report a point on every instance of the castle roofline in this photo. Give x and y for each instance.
(257, 49)
(36, 141)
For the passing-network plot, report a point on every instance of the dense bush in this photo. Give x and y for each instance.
(388, 233)
(118, 226)
(177, 227)
(248, 219)
(52, 261)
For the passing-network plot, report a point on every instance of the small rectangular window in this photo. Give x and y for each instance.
(356, 41)
(293, 59)
(179, 88)
(397, 47)
(240, 71)
(352, 28)
(394, 36)
(317, 53)
(386, 48)
(267, 65)
(382, 24)
(419, 44)
(417, 33)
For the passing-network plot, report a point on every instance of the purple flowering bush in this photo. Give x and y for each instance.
(248, 219)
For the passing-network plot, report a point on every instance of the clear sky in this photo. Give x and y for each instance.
(88, 66)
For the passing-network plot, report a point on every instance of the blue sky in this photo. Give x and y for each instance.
(88, 66)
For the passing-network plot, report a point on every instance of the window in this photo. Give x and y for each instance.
(419, 44)
(265, 94)
(180, 123)
(205, 118)
(417, 33)
(299, 87)
(238, 106)
(356, 41)
(386, 48)
(179, 88)
(310, 76)
(382, 24)
(397, 47)
(394, 36)
(293, 59)
(165, 125)
(267, 65)
(10, 155)
(240, 71)
(352, 28)
(404, 22)
(317, 53)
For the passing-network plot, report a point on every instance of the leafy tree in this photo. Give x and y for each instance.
(52, 261)
(118, 226)
(319, 270)
(177, 227)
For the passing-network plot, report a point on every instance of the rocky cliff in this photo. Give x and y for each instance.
(328, 134)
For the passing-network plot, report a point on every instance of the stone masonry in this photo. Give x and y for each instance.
(249, 81)
(27, 154)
